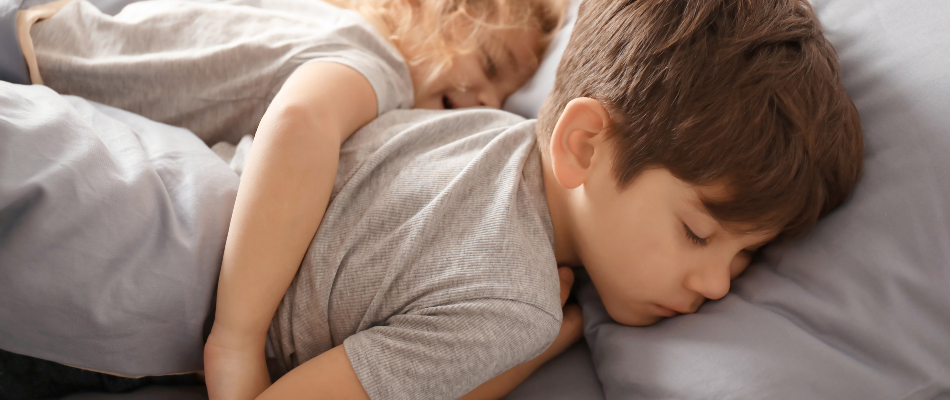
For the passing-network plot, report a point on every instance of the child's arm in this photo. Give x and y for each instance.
(331, 376)
(284, 192)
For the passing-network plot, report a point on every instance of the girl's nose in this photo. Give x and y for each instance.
(489, 97)
(477, 96)
(710, 281)
(465, 98)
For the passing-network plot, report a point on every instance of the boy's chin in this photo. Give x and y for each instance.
(636, 319)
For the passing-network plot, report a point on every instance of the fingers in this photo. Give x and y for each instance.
(572, 329)
(573, 324)
(567, 280)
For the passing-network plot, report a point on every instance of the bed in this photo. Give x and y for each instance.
(858, 309)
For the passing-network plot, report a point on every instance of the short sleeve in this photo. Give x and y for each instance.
(364, 49)
(446, 351)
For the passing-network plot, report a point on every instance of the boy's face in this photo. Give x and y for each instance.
(652, 250)
(485, 77)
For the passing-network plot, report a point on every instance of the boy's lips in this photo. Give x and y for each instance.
(666, 312)
(674, 311)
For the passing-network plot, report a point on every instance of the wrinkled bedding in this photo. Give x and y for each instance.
(112, 228)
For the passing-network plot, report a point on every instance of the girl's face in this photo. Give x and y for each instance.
(480, 78)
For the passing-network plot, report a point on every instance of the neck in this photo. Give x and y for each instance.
(559, 207)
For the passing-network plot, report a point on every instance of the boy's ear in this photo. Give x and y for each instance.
(579, 129)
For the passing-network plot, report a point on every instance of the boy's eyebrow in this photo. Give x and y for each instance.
(699, 206)
(753, 248)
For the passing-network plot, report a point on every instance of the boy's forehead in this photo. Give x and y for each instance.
(720, 192)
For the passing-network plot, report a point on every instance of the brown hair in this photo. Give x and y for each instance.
(432, 32)
(741, 92)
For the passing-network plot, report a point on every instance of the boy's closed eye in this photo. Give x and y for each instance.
(693, 237)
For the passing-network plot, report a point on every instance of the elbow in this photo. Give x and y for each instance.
(293, 124)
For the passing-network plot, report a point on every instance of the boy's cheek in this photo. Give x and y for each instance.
(632, 316)
(620, 306)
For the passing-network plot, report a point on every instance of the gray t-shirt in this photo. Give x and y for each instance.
(434, 264)
(210, 67)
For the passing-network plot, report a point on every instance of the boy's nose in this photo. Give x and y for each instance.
(711, 281)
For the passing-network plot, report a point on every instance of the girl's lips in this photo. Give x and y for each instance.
(665, 312)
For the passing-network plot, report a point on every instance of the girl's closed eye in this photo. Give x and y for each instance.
(491, 69)
(699, 241)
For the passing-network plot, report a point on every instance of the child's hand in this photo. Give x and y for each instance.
(566, 274)
(234, 371)
(572, 326)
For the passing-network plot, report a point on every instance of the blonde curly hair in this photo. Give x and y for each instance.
(430, 33)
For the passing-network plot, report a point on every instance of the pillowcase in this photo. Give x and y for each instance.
(859, 308)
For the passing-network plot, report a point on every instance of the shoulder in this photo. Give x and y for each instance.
(418, 140)
(447, 126)
(295, 32)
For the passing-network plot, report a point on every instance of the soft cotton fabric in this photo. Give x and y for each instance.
(434, 264)
(212, 68)
(112, 229)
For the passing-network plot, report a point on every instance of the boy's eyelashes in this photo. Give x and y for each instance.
(447, 102)
(694, 237)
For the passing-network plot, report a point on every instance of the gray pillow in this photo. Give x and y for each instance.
(860, 308)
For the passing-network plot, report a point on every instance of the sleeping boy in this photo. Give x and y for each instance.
(680, 137)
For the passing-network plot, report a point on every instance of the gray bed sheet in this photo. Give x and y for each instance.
(570, 376)
(111, 228)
